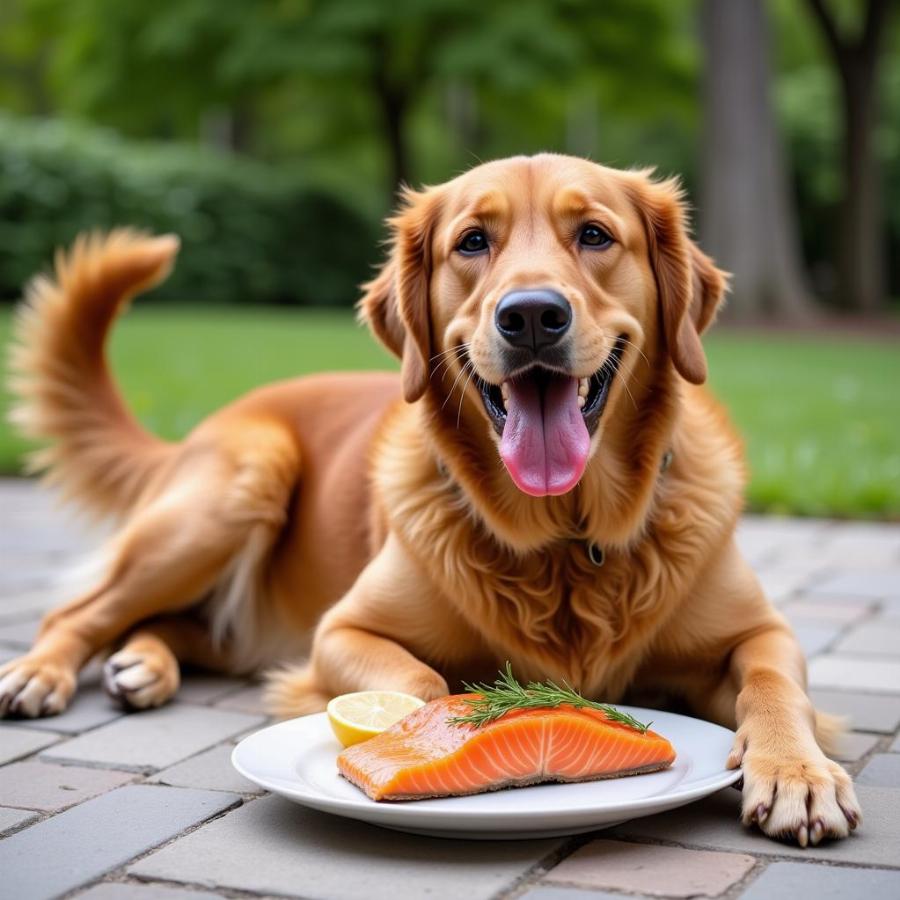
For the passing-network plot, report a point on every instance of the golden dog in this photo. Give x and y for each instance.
(546, 482)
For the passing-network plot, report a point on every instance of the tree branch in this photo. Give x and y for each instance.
(876, 17)
(829, 28)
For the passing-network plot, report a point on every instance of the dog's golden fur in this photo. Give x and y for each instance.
(374, 512)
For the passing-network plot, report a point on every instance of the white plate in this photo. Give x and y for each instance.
(296, 759)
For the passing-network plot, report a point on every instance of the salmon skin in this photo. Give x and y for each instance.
(424, 755)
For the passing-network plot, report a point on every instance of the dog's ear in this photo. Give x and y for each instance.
(689, 285)
(396, 302)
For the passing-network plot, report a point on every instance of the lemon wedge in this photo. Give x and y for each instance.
(360, 716)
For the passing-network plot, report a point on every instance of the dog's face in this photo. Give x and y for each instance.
(536, 286)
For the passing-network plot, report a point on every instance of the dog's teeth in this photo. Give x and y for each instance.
(583, 384)
(504, 391)
(581, 401)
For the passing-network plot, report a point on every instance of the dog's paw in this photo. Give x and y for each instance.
(427, 686)
(141, 679)
(31, 687)
(804, 797)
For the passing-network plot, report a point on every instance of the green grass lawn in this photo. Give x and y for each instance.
(821, 415)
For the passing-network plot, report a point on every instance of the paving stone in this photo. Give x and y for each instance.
(40, 524)
(249, 700)
(236, 739)
(88, 840)
(815, 637)
(876, 638)
(878, 584)
(48, 533)
(785, 580)
(202, 687)
(275, 847)
(839, 611)
(790, 880)
(865, 544)
(864, 712)
(854, 746)
(121, 891)
(48, 788)
(19, 634)
(16, 604)
(649, 869)
(89, 708)
(154, 739)
(882, 769)
(16, 742)
(550, 892)
(850, 673)
(14, 818)
(713, 824)
(755, 543)
(786, 536)
(23, 574)
(211, 769)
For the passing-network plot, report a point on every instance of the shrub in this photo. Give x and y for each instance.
(251, 233)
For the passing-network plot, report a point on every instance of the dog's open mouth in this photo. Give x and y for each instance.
(545, 419)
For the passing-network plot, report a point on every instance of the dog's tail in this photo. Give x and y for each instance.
(98, 453)
(830, 731)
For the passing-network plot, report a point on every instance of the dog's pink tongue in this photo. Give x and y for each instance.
(545, 444)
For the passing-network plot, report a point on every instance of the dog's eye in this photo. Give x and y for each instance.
(594, 236)
(473, 242)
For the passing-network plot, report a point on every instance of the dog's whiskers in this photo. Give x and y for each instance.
(624, 378)
(455, 350)
(446, 365)
(459, 375)
(453, 354)
(627, 391)
(625, 340)
(462, 393)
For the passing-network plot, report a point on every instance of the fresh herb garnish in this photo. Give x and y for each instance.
(506, 695)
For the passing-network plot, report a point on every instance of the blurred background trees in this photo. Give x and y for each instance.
(855, 50)
(273, 134)
(749, 222)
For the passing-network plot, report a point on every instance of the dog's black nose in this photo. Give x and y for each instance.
(533, 319)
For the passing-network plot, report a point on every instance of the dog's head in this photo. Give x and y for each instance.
(537, 287)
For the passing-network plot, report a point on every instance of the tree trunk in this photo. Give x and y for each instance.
(860, 253)
(393, 104)
(748, 221)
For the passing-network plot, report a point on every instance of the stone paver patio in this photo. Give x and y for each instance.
(102, 805)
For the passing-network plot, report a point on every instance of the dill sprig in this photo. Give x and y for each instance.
(506, 694)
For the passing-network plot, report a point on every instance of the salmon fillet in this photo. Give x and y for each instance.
(425, 756)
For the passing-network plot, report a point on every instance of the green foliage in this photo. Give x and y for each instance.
(315, 77)
(250, 233)
(314, 80)
(808, 100)
(818, 414)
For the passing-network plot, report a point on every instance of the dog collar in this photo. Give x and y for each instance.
(595, 552)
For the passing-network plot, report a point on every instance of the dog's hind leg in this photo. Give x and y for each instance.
(168, 557)
(145, 672)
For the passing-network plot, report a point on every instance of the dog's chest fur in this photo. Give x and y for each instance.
(552, 612)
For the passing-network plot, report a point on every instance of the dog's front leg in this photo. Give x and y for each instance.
(791, 789)
(370, 640)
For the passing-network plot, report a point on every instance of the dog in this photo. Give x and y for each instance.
(546, 482)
